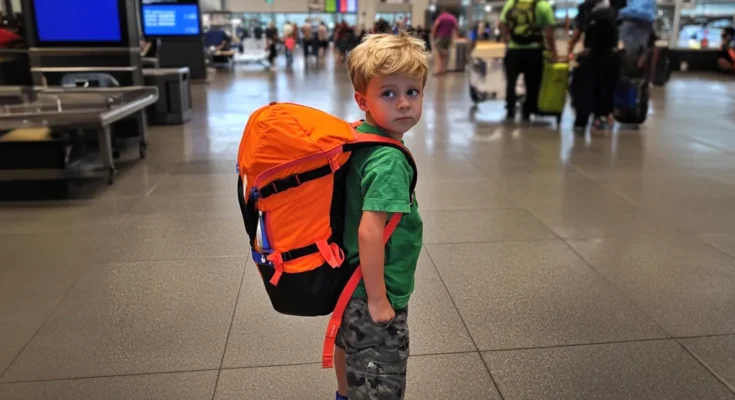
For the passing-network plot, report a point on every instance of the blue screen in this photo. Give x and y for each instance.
(170, 20)
(77, 20)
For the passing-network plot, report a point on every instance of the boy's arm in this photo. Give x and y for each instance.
(385, 185)
(372, 261)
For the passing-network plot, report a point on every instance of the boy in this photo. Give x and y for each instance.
(388, 73)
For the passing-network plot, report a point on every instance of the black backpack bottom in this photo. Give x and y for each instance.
(307, 294)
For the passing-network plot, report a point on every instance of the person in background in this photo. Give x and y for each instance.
(726, 55)
(443, 32)
(271, 37)
(594, 83)
(382, 26)
(525, 29)
(307, 39)
(288, 29)
(472, 34)
(481, 32)
(636, 25)
(323, 37)
(289, 41)
(340, 46)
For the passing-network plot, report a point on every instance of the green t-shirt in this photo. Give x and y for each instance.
(378, 179)
(544, 18)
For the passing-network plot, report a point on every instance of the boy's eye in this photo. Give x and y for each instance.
(388, 93)
(413, 92)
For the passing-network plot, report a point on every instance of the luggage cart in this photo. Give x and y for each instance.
(487, 74)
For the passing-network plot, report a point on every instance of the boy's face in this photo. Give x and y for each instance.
(394, 102)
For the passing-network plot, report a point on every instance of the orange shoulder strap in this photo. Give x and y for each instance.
(336, 320)
(363, 140)
(368, 139)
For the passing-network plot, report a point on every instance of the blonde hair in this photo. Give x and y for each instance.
(387, 54)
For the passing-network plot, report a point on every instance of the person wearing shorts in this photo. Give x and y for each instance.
(388, 73)
(444, 29)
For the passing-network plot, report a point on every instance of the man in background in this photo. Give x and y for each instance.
(525, 26)
(443, 32)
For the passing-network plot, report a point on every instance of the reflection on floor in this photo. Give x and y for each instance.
(555, 267)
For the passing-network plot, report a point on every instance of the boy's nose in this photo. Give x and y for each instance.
(403, 103)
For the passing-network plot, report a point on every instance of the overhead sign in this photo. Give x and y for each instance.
(316, 5)
(341, 6)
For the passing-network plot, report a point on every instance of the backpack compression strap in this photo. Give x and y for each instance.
(336, 320)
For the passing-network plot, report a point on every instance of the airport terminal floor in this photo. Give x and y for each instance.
(554, 266)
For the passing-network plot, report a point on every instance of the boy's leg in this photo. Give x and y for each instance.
(340, 369)
(376, 354)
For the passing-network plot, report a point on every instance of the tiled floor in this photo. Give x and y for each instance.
(555, 267)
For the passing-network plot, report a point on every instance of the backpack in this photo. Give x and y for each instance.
(601, 34)
(521, 20)
(291, 190)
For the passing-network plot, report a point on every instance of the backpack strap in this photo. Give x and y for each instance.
(336, 320)
(511, 21)
(363, 140)
(369, 140)
(295, 180)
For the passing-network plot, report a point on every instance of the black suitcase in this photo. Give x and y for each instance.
(631, 100)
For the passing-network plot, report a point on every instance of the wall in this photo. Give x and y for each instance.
(393, 7)
(210, 5)
(366, 10)
(300, 6)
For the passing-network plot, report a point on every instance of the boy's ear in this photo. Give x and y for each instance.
(361, 102)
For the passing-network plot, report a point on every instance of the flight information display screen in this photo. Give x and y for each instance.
(170, 19)
(78, 20)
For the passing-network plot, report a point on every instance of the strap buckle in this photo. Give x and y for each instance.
(277, 261)
(333, 164)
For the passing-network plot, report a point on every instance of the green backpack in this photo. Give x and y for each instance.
(521, 20)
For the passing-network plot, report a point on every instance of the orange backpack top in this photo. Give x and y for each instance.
(291, 187)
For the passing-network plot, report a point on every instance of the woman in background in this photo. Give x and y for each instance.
(271, 38)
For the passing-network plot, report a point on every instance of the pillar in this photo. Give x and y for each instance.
(366, 10)
(418, 12)
(675, 26)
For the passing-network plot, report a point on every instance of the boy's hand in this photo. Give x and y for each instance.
(380, 310)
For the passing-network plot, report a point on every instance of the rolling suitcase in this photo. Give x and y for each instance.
(631, 101)
(554, 85)
(661, 66)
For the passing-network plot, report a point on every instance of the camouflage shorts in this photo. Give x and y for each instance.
(377, 354)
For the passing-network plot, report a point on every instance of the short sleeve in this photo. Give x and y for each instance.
(386, 181)
(545, 14)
